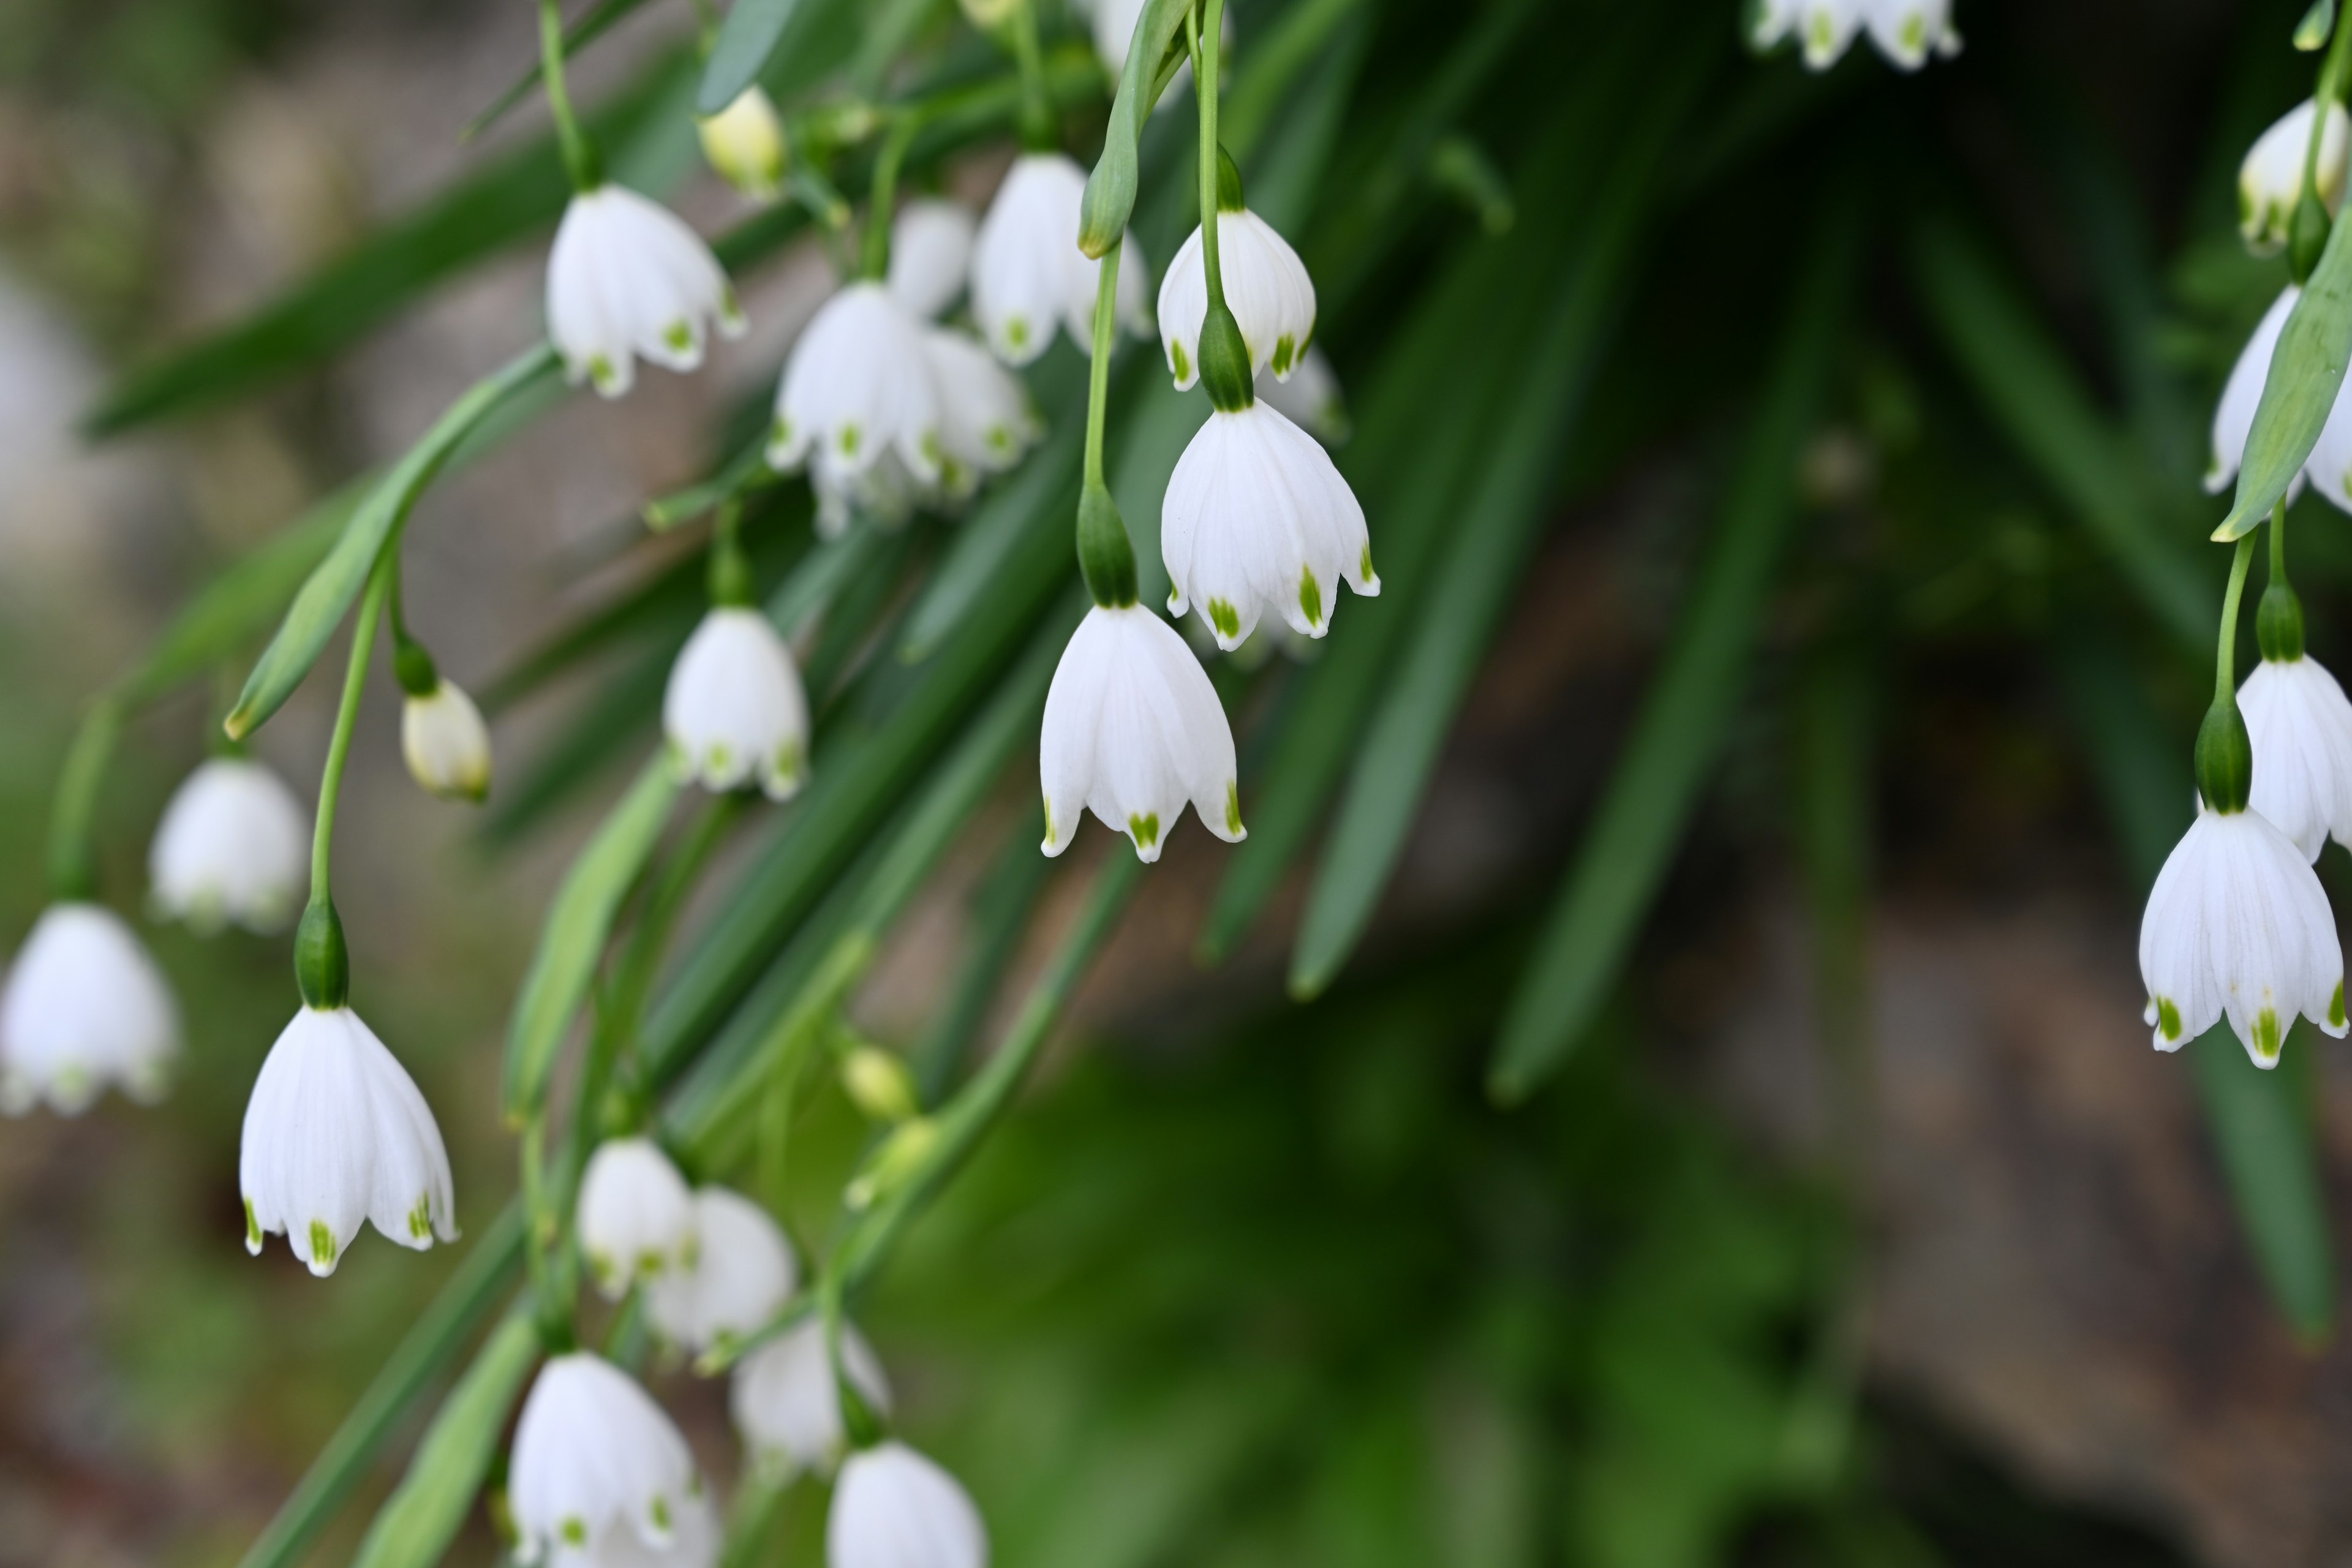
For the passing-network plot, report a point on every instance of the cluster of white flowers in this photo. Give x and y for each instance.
(1908, 32)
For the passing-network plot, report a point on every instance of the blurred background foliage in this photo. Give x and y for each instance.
(1854, 425)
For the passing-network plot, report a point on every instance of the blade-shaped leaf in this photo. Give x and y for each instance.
(2306, 372)
(428, 1507)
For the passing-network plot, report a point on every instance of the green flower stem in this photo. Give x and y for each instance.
(73, 861)
(1105, 338)
(1105, 554)
(2225, 656)
(2278, 618)
(411, 664)
(882, 195)
(1036, 109)
(339, 746)
(579, 152)
(2225, 754)
(1205, 25)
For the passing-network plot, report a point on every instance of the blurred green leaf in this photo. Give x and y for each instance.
(1040, 498)
(425, 1513)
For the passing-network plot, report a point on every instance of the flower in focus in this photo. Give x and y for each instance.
(446, 743)
(1309, 398)
(2237, 924)
(741, 1274)
(892, 1508)
(857, 390)
(745, 142)
(1029, 274)
(784, 1402)
(1266, 287)
(627, 279)
(1257, 520)
(2270, 181)
(85, 1007)
(233, 849)
(1132, 730)
(593, 1455)
(636, 1218)
(2301, 726)
(734, 710)
(986, 421)
(336, 1132)
(930, 255)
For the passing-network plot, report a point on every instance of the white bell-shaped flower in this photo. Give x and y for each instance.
(857, 387)
(2270, 181)
(785, 1401)
(1310, 398)
(2301, 726)
(85, 1007)
(1909, 31)
(884, 494)
(745, 142)
(741, 1275)
(1826, 27)
(594, 1454)
(1257, 520)
(446, 743)
(892, 1508)
(628, 280)
(336, 1132)
(636, 1216)
(697, 1538)
(986, 421)
(233, 849)
(734, 709)
(1028, 274)
(1133, 730)
(930, 255)
(2237, 924)
(1266, 288)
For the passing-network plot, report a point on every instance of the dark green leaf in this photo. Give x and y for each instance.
(746, 38)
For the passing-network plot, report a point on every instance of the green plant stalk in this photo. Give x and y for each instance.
(347, 716)
(882, 196)
(73, 863)
(578, 154)
(1036, 108)
(1203, 26)
(2225, 653)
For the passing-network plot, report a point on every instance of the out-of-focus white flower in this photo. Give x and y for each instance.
(734, 709)
(785, 1401)
(1028, 273)
(697, 1538)
(1909, 31)
(1266, 287)
(85, 1007)
(986, 422)
(2301, 727)
(741, 1275)
(2237, 924)
(1906, 31)
(2270, 181)
(592, 1454)
(745, 142)
(446, 743)
(1257, 518)
(628, 281)
(1310, 398)
(857, 387)
(232, 848)
(336, 1132)
(892, 1508)
(1132, 730)
(884, 494)
(636, 1216)
(930, 254)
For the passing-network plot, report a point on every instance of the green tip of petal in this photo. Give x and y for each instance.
(660, 1513)
(322, 1245)
(851, 438)
(1179, 361)
(1233, 808)
(1285, 352)
(1016, 332)
(1311, 597)
(253, 1225)
(574, 1532)
(2335, 1007)
(2266, 1034)
(420, 1219)
(2168, 1018)
(678, 336)
(1144, 829)
(1225, 618)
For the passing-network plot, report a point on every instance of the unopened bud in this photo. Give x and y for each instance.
(879, 1083)
(745, 142)
(889, 1167)
(447, 745)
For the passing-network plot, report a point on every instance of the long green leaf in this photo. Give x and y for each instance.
(579, 922)
(1043, 496)
(2306, 374)
(1497, 529)
(1615, 874)
(424, 1514)
(337, 580)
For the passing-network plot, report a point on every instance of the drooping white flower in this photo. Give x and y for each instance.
(1266, 288)
(2270, 181)
(745, 142)
(892, 1508)
(930, 255)
(1310, 398)
(1825, 28)
(786, 1402)
(1770, 21)
(1257, 520)
(336, 1132)
(741, 1274)
(857, 387)
(85, 1007)
(1909, 31)
(446, 743)
(986, 422)
(233, 849)
(695, 1539)
(593, 1453)
(734, 710)
(1132, 730)
(1029, 274)
(2237, 924)
(2301, 726)
(628, 281)
(636, 1218)
(884, 493)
